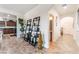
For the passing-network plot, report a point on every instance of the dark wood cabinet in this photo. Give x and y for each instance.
(9, 27)
(9, 31)
(11, 23)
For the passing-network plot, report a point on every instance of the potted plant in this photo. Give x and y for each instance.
(21, 22)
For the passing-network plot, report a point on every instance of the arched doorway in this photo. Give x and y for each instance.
(53, 28)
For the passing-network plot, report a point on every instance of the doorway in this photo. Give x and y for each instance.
(51, 30)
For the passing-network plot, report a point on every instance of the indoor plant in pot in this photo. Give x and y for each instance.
(21, 22)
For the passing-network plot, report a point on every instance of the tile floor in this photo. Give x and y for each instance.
(12, 45)
(65, 45)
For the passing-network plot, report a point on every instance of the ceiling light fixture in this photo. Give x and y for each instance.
(8, 15)
(64, 6)
(50, 18)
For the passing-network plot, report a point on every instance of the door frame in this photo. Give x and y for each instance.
(51, 29)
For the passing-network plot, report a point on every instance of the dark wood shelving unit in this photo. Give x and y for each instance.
(8, 27)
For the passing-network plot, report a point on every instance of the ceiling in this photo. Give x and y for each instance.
(62, 11)
(19, 8)
(24, 8)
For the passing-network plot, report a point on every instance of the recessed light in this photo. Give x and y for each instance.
(8, 15)
(64, 6)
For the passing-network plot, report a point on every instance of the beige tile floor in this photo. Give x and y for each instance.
(12, 45)
(65, 44)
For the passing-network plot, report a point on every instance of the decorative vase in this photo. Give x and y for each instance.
(40, 41)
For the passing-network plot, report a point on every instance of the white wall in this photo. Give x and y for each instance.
(67, 24)
(42, 11)
(76, 35)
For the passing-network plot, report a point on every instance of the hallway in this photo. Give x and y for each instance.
(31, 20)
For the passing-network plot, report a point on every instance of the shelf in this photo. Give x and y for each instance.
(9, 30)
(7, 27)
